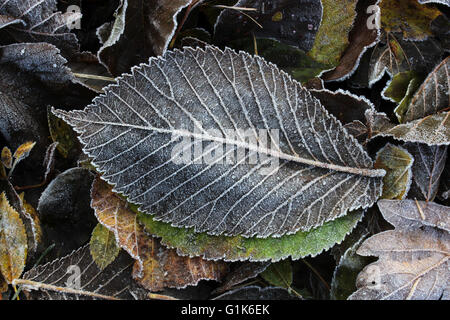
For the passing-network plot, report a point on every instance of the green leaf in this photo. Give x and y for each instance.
(103, 246)
(279, 274)
(332, 38)
(298, 245)
(397, 162)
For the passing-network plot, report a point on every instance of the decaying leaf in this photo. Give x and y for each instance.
(333, 35)
(40, 22)
(77, 277)
(431, 130)
(429, 163)
(393, 54)
(156, 267)
(140, 133)
(408, 17)
(7, 157)
(279, 274)
(13, 241)
(363, 36)
(413, 258)
(291, 22)
(61, 133)
(30, 211)
(345, 273)
(103, 246)
(433, 95)
(397, 162)
(23, 150)
(146, 26)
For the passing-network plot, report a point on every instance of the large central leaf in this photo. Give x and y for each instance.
(267, 159)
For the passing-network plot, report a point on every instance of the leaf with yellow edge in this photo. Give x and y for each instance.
(13, 241)
(7, 157)
(397, 162)
(332, 38)
(156, 267)
(103, 246)
(408, 17)
(23, 150)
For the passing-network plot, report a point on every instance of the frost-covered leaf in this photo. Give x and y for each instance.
(36, 75)
(103, 246)
(13, 241)
(279, 274)
(446, 2)
(77, 277)
(393, 54)
(40, 22)
(429, 163)
(7, 20)
(291, 22)
(333, 36)
(142, 29)
(156, 267)
(140, 133)
(363, 36)
(397, 88)
(431, 130)
(433, 95)
(235, 248)
(413, 259)
(397, 162)
(257, 293)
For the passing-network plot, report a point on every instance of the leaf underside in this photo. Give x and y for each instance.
(313, 173)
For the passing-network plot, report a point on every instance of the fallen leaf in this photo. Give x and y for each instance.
(361, 38)
(429, 163)
(279, 274)
(7, 157)
(345, 273)
(333, 36)
(154, 23)
(103, 246)
(13, 241)
(156, 267)
(397, 162)
(23, 150)
(413, 258)
(40, 22)
(238, 248)
(431, 130)
(77, 277)
(408, 17)
(321, 172)
(433, 96)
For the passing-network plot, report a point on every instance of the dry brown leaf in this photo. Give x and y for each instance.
(413, 259)
(156, 267)
(13, 241)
